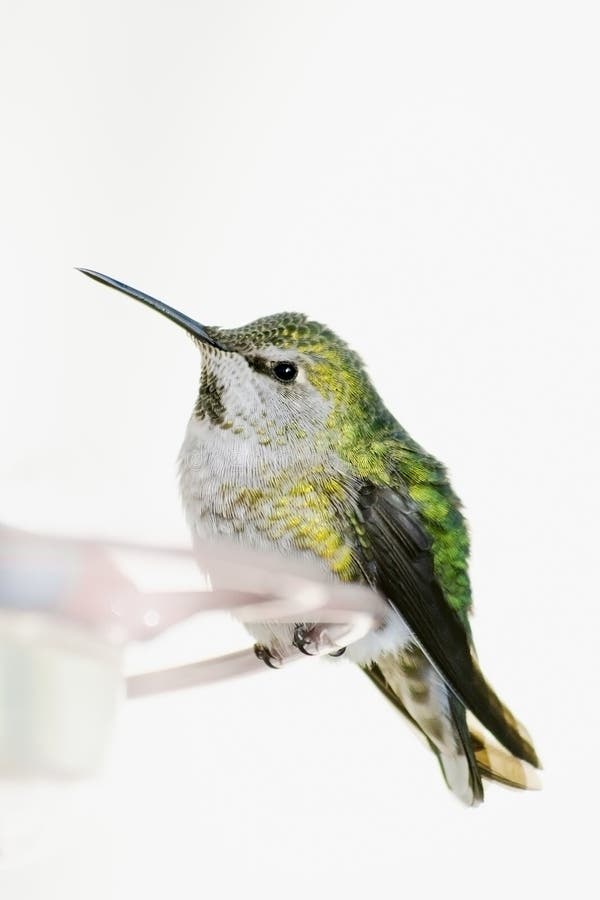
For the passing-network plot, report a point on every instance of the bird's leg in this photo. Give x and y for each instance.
(316, 640)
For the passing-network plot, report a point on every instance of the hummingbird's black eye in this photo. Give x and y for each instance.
(285, 371)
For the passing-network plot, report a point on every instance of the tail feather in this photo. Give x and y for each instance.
(465, 755)
(413, 685)
(496, 764)
(458, 715)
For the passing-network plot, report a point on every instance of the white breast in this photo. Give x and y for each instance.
(214, 464)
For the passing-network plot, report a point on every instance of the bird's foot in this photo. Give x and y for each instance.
(270, 659)
(316, 640)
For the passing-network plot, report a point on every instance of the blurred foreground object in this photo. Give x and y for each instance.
(69, 608)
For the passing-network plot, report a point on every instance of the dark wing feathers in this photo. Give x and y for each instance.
(398, 562)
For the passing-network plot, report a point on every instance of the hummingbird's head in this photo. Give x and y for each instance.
(278, 380)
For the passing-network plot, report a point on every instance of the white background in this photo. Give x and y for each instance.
(423, 178)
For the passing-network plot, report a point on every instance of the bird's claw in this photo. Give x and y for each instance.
(314, 640)
(269, 658)
(303, 639)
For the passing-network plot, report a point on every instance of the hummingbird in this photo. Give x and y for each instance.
(290, 448)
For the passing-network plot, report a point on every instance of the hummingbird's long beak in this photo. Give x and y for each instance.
(190, 325)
